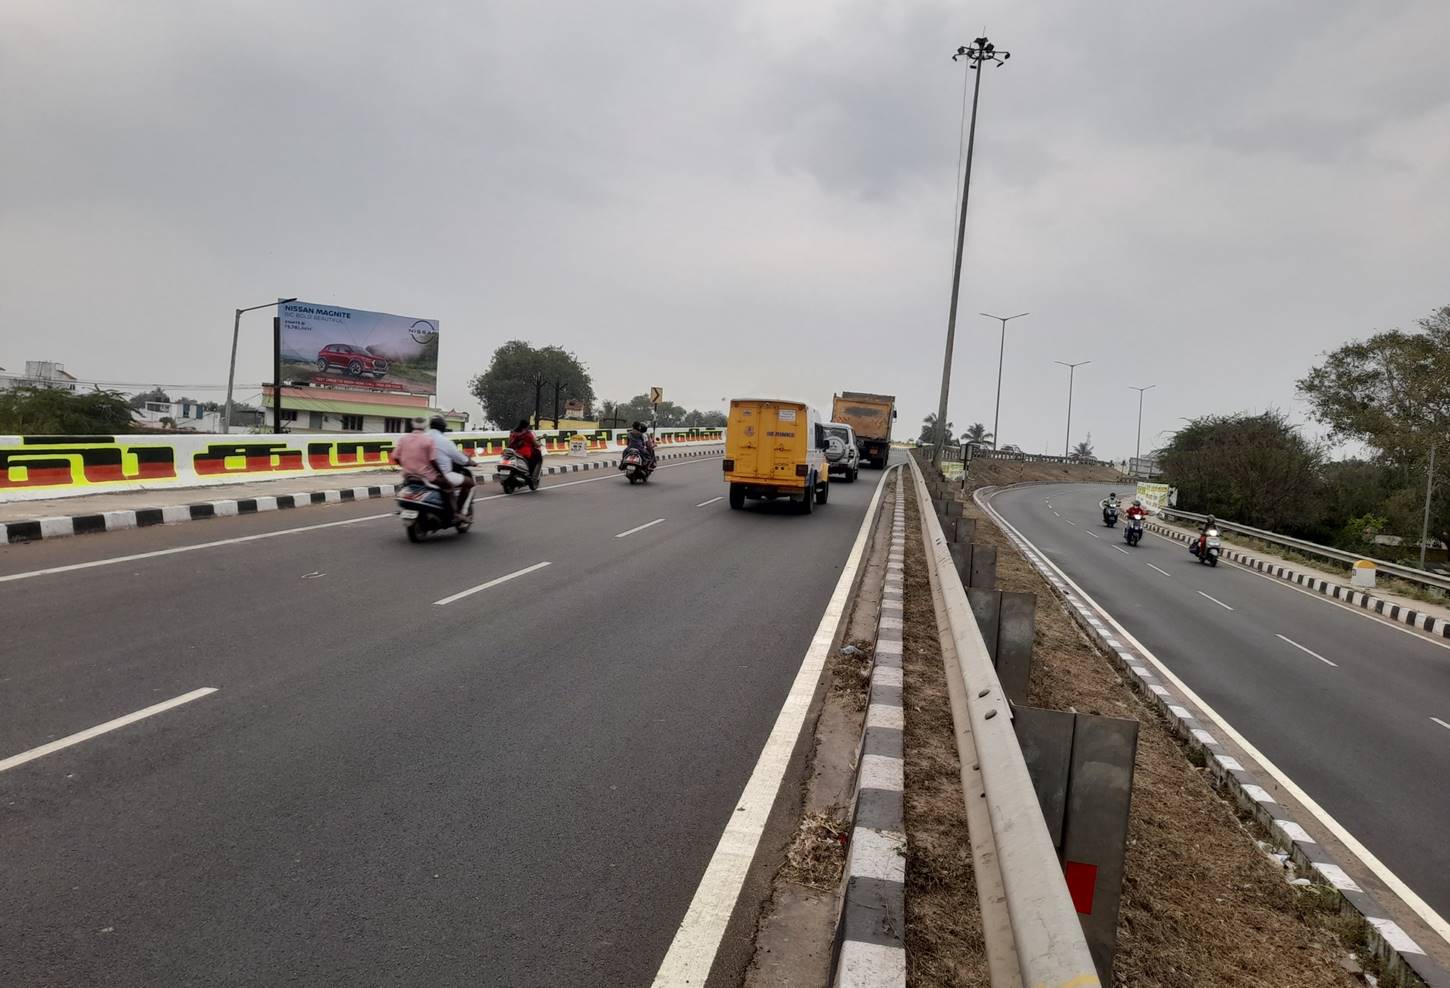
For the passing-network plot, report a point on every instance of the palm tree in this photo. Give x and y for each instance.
(976, 433)
(1084, 449)
(928, 431)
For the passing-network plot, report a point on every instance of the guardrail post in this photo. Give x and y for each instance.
(1008, 623)
(984, 567)
(963, 529)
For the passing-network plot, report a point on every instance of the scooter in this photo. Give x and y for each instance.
(423, 508)
(1133, 531)
(636, 466)
(514, 472)
(1110, 515)
(1207, 547)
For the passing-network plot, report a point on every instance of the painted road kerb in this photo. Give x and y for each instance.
(1387, 939)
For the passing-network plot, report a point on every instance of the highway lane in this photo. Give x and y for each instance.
(1345, 704)
(521, 786)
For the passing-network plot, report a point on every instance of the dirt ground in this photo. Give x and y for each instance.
(1202, 905)
(1000, 473)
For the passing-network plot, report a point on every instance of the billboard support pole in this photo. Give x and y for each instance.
(277, 375)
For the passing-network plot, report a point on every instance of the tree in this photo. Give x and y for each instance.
(1084, 449)
(976, 433)
(40, 411)
(928, 431)
(523, 381)
(139, 401)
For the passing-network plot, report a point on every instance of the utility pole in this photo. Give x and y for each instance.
(980, 51)
(1001, 349)
(1429, 489)
(232, 367)
(1071, 371)
(1138, 448)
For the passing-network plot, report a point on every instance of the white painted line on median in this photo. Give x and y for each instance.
(1214, 599)
(1441, 722)
(692, 952)
(639, 528)
(711, 501)
(110, 725)
(1163, 571)
(1307, 651)
(491, 583)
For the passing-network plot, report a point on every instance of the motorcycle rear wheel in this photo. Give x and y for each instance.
(414, 533)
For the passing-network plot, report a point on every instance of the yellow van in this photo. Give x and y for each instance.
(776, 448)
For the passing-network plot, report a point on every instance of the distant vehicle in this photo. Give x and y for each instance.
(774, 449)
(636, 466)
(351, 360)
(842, 456)
(1009, 448)
(870, 416)
(1133, 531)
(1207, 547)
(514, 472)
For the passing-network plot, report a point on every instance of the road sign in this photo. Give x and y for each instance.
(656, 395)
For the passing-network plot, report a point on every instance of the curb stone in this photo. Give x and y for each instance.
(62, 526)
(1357, 598)
(1385, 938)
(871, 927)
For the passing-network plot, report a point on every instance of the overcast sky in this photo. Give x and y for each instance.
(736, 197)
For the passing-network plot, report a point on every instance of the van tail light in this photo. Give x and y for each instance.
(729, 466)
(800, 469)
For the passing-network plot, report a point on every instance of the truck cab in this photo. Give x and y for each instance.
(775, 448)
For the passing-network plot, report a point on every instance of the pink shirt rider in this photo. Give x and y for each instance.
(414, 453)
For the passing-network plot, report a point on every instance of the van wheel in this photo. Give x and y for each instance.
(808, 502)
(823, 491)
(737, 496)
(851, 477)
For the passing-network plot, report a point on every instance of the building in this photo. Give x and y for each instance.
(183, 415)
(334, 410)
(39, 374)
(1144, 467)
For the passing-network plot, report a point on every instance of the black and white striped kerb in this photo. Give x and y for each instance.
(1356, 598)
(1389, 941)
(872, 924)
(110, 521)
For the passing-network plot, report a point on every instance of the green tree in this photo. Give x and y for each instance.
(40, 411)
(928, 431)
(139, 401)
(521, 379)
(1084, 449)
(976, 433)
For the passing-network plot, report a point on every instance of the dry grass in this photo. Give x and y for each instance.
(943, 925)
(851, 675)
(816, 857)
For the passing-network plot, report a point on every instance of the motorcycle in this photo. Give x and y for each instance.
(1207, 547)
(1110, 515)
(636, 466)
(1133, 531)
(423, 508)
(514, 472)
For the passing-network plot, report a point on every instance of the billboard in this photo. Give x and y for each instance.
(353, 348)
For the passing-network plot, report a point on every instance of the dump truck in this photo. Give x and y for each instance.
(870, 417)
(775, 448)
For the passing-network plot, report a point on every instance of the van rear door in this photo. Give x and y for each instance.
(788, 427)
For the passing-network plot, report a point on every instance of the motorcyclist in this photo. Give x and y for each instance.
(639, 439)
(1136, 510)
(1209, 523)
(449, 458)
(523, 442)
(415, 453)
(1111, 501)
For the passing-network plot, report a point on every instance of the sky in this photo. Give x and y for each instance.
(740, 197)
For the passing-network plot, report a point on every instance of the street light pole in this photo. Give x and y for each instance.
(1138, 448)
(1001, 349)
(1429, 489)
(232, 367)
(979, 51)
(1071, 372)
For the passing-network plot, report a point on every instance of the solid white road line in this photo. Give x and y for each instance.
(1308, 651)
(639, 528)
(1419, 906)
(1215, 600)
(1071, 522)
(491, 583)
(711, 501)
(692, 952)
(1163, 571)
(1093, 534)
(1441, 722)
(1122, 550)
(110, 725)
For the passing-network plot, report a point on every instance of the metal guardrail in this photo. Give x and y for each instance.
(1411, 573)
(1039, 940)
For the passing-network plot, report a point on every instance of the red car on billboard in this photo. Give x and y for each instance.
(351, 360)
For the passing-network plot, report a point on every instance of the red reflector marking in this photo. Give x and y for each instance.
(1081, 880)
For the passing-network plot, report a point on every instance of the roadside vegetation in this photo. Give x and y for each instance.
(42, 411)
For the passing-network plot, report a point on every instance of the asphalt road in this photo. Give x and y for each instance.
(519, 787)
(1365, 736)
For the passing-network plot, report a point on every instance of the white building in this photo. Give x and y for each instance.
(38, 374)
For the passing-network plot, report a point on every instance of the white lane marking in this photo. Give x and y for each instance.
(1122, 550)
(1419, 906)
(639, 528)
(1056, 514)
(1214, 599)
(99, 729)
(692, 952)
(1071, 522)
(1308, 651)
(1163, 571)
(491, 583)
(711, 501)
(1440, 722)
(1093, 534)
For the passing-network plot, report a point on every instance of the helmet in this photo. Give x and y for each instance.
(418, 424)
(1113, 495)
(438, 422)
(1138, 501)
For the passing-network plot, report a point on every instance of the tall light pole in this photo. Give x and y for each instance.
(1071, 371)
(978, 52)
(232, 367)
(1138, 448)
(1001, 349)
(1429, 491)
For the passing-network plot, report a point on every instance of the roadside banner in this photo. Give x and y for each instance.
(1156, 497)
(353, 348)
